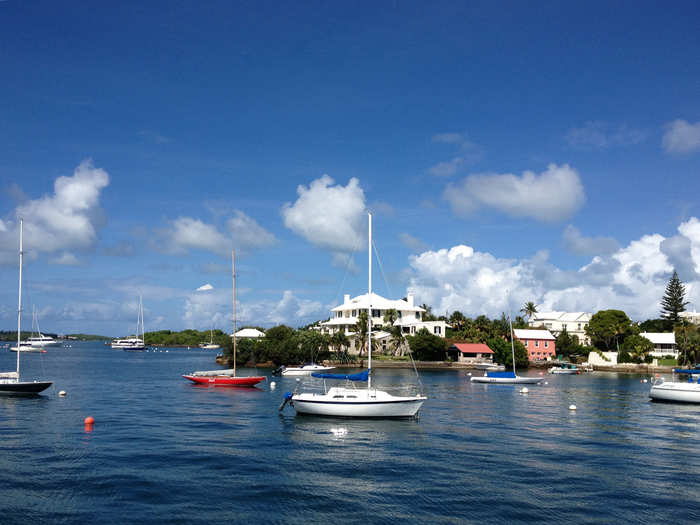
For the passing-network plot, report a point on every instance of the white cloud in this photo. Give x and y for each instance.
(447, 168)
(188, 233)
(681, 137)
(66, 220)
(329, 216)
(66, 258)
(247, 233)
(468, 152)
(575, 243)
(633, 278)
(553, 195)
(601, 135)
(205, 287)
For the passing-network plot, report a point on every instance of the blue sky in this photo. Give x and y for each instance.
(510, 152)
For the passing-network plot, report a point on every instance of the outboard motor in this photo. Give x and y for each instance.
(287, 399)
(278, 371)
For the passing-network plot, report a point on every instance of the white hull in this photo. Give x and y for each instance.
(678, 392)
(562, 371)
(128, 344)
(208, 346)
(507, 380)
(489, 366)
(351, 402)
(41, 342)
(306, 370)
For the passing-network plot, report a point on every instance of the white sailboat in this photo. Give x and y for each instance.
(210, 345)
(506, 377)
(349, 401)
(10, 383)
(135, 342)
(40, 339)
(678, 391)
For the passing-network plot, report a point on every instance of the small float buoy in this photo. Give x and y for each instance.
(572, 407)
(546, 382)
(62, 393)
(272, 385)
(298, 379)
(645, 380)
(89, 420)
(524, 390)
(469, 374)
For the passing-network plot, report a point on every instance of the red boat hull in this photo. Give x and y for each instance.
(226, 380)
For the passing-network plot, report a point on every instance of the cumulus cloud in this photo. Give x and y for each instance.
(553, 195)
(633, 278)
(187, 233)
(602, 135)
(213, 308)
(329, 215)
(66, 220)
(577, 244)
(681, 137)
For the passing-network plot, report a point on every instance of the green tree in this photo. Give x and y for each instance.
(608, 328)
(529, 309)
(673, 302)
(638, 347)
(457, 320)
(566, 344)
(428, 314)
(427, 347)
(339, 343)
(503, 353)
(361, 331)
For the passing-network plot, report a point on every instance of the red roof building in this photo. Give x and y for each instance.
(470, 353)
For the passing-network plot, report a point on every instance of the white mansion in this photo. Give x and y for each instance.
(410, 317)
(574, 322)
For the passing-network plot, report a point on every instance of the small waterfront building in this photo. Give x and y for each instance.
(540, 344)
(470, 353)
(249, 333)
(664, 343)
(691, 317)
(574, 322)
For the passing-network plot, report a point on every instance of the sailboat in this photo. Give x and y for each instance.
(210, 345)
(349, 401)
(10, 383)
(135, 342)
(506, 377)
(35, 343)
(226, 377)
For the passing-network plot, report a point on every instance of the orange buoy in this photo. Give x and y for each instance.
(89, 420)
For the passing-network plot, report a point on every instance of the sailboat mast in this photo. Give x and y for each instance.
(233, 277)
(19, 301)
(369, 307)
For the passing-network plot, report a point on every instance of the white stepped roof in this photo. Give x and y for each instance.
(660, 338)
(250, 332)
(533, 334)
(562, 317)
(362, 302)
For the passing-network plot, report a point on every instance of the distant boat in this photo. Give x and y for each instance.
(305, 370)
(349, 401)
(226, 377)
(506, 377)
(10, 383)
(26, 346)
(40, 339)
(135, 342)
(210, 345)
(489, 366)
(564, 368)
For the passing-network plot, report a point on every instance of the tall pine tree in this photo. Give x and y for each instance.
(673, 302)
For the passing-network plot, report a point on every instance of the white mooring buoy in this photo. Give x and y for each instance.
(524, 390)
(546, 382)
(572, 407)
(272, 385)
(62, 393)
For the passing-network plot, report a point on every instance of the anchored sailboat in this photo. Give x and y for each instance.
(225, 377)
(10, 383)
(506, 377)
(349, 401)
(135, 342)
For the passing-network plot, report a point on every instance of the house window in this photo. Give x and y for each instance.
(418, 315)
(339, 314)
(537, 344)
(546, 344)
(437, 330)
(354, 313)
(376, 313)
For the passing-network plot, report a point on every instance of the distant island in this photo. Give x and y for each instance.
(11, 335)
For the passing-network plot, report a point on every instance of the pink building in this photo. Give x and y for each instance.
(540, 344)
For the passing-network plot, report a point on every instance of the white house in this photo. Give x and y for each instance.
(249, 333)
(691, 317)
(664, 343)
(574, 322)
(410, 317)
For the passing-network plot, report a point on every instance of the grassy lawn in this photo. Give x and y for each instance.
(668, 362)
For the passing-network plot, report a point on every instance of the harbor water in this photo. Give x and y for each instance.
(165, 451)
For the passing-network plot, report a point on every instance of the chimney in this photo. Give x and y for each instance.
(409, 299)
(346, 298)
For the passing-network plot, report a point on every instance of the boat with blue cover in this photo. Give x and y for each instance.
(676, 391)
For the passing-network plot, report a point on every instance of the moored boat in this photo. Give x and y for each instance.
(305, 370)
(676, 391)
(564, 368)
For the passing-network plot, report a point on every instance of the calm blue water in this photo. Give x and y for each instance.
(165, 451)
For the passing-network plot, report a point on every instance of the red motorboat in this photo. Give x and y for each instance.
(224, 380)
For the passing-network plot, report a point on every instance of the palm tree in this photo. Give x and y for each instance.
(529, 309)
(361, 331)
